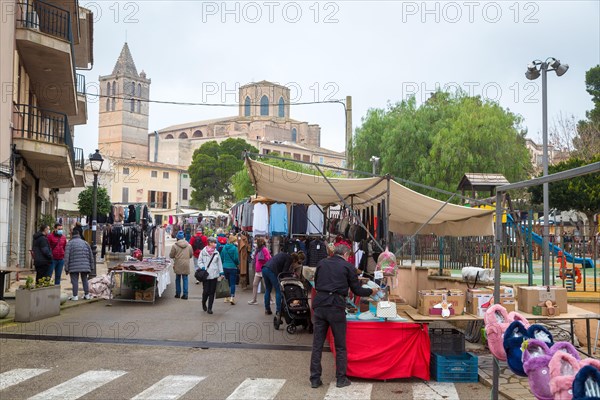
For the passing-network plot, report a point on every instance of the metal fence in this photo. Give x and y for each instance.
(521, 250)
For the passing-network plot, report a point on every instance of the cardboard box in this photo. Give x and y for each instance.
(543, 311)
(505, 291)
(478, 298)
(428, 298)
(531, 296)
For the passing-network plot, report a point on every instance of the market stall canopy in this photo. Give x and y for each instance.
(408, 209)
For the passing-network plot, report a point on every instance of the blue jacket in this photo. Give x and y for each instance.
(229, 256)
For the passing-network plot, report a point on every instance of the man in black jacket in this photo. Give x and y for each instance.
(42, 255)
(333, 277)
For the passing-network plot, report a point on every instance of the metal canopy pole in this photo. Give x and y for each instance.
(346, 204)
(387, 213)
(496, 371)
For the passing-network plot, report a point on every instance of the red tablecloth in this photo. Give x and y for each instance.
(386, 350)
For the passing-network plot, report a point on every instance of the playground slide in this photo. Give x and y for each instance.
(586, 262)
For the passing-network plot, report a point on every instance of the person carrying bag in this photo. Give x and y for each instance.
(210, 261)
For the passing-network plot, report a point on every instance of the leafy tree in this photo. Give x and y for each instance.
(447, 136)
(581, 193)
(86, 198)
(213, 166)
(587, 140)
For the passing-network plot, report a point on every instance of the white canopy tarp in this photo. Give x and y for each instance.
(408, 209)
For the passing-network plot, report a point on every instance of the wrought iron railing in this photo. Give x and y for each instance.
(49, 19)
(80, 84)
(46, 18)
(79, 158)
(42, 125)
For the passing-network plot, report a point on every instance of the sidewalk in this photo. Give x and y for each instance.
(512, 386)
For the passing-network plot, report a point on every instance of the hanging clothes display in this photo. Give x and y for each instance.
(260, 221)
(278, 224)
(132, 215)
(315, 220)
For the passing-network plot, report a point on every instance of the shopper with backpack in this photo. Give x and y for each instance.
(221, 240)
(198, 242)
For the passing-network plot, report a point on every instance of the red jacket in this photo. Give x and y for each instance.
(58, 243)
(204, 241)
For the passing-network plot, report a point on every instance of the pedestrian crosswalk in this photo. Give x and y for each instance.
(173, 387)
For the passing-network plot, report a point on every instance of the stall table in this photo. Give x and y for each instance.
(159, 276)
(386, 350)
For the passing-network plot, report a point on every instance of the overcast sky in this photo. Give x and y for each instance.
(375, 51)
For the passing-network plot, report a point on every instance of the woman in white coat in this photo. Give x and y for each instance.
(210, 260)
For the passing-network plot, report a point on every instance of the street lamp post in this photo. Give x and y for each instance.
(533, 72)
(375, 161)
(96, 161)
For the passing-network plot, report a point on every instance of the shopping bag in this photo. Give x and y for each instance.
(201, 275)
(223, 289)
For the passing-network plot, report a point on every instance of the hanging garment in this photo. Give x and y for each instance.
(260, 221)
(131, 214)
(299, 219)
(138, 215)
(247, 216)
(278, 224)
(315, 220)
(317, 250)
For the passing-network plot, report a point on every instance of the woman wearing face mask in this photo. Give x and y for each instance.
(42, 255)
(58, 243)
(210, 260)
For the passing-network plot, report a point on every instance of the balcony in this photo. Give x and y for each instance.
(79, 167)
(43, 138)
(45, 45)
(81, 117)
(84, 50)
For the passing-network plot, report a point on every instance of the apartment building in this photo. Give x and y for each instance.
(44, 43)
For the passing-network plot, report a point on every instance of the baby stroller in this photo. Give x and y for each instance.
(294, 304)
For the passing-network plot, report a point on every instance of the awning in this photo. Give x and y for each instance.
(408, 209)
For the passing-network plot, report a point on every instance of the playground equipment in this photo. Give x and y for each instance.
(586, 262)
(569, 275)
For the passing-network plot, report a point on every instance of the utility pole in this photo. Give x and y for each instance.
(349, 160)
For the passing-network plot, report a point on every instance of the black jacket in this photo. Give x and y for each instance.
(279, 263)
(42, 255)
(333, 277)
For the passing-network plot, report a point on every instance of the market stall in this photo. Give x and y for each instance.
(376, 206)
(140, 281)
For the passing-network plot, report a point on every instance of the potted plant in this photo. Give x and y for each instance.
(37, 301)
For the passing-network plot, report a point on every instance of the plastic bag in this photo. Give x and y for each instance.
(386, 262)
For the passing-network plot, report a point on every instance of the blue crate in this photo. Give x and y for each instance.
(454, 368)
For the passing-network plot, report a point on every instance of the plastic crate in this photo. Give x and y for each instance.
(446, 341)
(454, 368)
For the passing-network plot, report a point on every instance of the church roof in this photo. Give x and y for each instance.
(263, 83)
(125, 65)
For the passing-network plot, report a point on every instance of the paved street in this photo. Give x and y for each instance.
(172, 349)
(59, 370)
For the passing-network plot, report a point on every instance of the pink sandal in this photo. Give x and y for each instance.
(563, 367)
(496, 321)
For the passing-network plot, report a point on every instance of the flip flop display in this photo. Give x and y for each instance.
(513, 339)
(586, 385)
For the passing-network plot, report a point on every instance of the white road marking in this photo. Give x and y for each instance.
(358, 391)
(434, 391)
(259, 389)
(79, 386)
(18, 375)
(170, 387)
